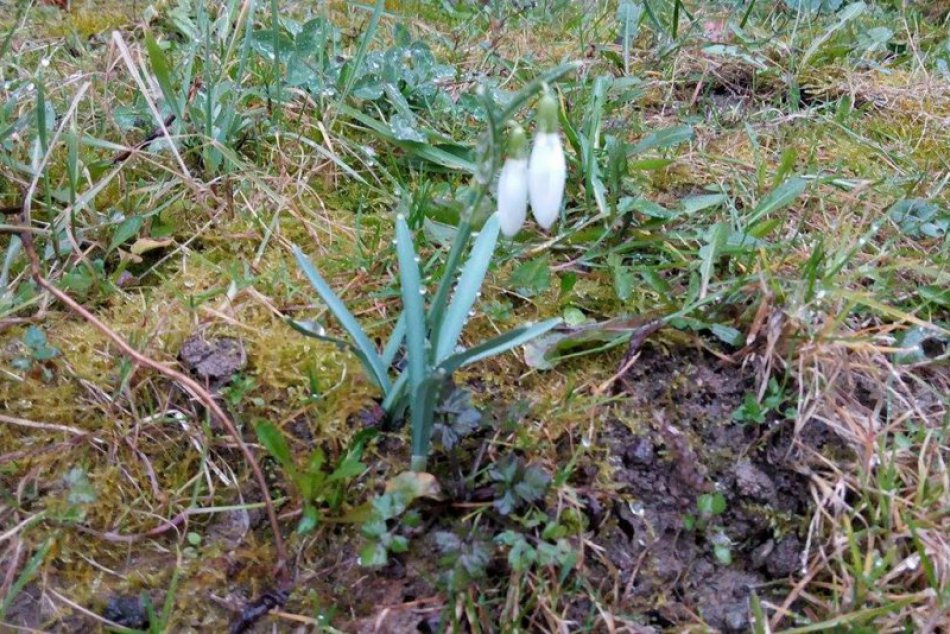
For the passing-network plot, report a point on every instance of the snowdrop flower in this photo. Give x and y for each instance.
(547, 169)
(513, 183)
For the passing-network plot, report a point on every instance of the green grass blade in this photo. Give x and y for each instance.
(532, 87)
(416, 339)
(663, 139)
(349, 78)
(710, 252)
(346, 319)
(29, 571)
(467, 290)
(779, 198)
(424, 151)
(162, 71)
(498, 345)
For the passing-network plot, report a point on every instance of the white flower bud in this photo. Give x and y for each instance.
(513, 184)
(547, 169)
(547, 173)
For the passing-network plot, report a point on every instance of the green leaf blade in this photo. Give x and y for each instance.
(467, 290)
(347, 320)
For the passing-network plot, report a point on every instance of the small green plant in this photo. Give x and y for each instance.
(754, 411)
(430, 331)
(517, 484)
(455, 418)
(389, 514)
(39, 352)
(463, 562)
(708, 507)
(318, 486)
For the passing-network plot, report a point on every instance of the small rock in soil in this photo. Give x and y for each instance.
(639, 452)
(127, 611)
(785, 558)
(213, 361)
(752, 482)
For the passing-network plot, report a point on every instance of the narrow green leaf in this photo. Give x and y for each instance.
(316, 330)
(347, 320)
(663, 139)
(394, 402)
(396, 338)
(467, 290)
(162, 71)
(533, 87)
(498, 345)
(718, 235)
(693, 204)
(416, 339)
(349, 78)
(779, 198)
(426, 151)
(760, 624)
(29, 571)
(847, 14)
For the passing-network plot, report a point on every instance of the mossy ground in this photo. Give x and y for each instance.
(97, 453)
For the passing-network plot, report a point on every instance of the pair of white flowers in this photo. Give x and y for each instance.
(539, 179)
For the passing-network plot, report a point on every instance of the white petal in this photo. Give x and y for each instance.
(513, 195)
(547, 172)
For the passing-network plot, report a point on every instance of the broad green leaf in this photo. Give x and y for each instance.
(273, 441)
(624, 278)
(467, 290)
(693, 204)
(850, 12)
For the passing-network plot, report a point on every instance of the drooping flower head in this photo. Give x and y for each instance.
(513, 182)
(547, 168)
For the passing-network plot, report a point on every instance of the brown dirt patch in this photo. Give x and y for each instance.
(690, 446)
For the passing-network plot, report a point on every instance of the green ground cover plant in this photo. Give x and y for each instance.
(437, 315)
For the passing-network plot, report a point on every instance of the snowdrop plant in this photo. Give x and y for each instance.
(430, 331)
(547, 169)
